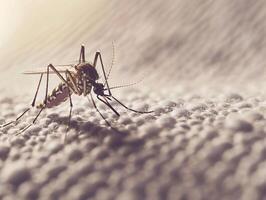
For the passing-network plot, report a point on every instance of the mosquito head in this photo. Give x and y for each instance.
(87, 71)
(98, 89)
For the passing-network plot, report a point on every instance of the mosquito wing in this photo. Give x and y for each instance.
(59, 68)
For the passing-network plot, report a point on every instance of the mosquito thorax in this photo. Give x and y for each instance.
(87, 71)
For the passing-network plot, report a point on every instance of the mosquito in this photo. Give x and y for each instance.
(79, 79)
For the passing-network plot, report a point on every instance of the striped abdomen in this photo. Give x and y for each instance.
(58, 96)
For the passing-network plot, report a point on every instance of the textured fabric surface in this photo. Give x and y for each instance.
(193, 148)
(202, 66)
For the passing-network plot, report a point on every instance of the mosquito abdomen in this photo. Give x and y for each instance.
(58, 96)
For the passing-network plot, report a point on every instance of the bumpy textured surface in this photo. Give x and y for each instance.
(203, 63)
(191, 148)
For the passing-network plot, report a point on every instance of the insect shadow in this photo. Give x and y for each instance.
(79, 79)
(94, 129)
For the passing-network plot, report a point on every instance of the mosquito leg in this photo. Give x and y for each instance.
(73, 82)
(70, 111)
(46, 94)
(24, 129)
(94, 104)
(50, 66)
(98, 55)
(70, 114)
(109, 105)
(45, 101)
(11, 122)
(32, 104)
(84, 87)
(36, 93)
(71, 88)
(142, 112)
(68, 76)
(82, 54)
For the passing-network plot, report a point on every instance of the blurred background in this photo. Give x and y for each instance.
(176, 45)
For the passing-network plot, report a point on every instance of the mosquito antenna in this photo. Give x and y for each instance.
(112, 63)
(142, 112)
(123, 86)
(127, 85)
(113, 59)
